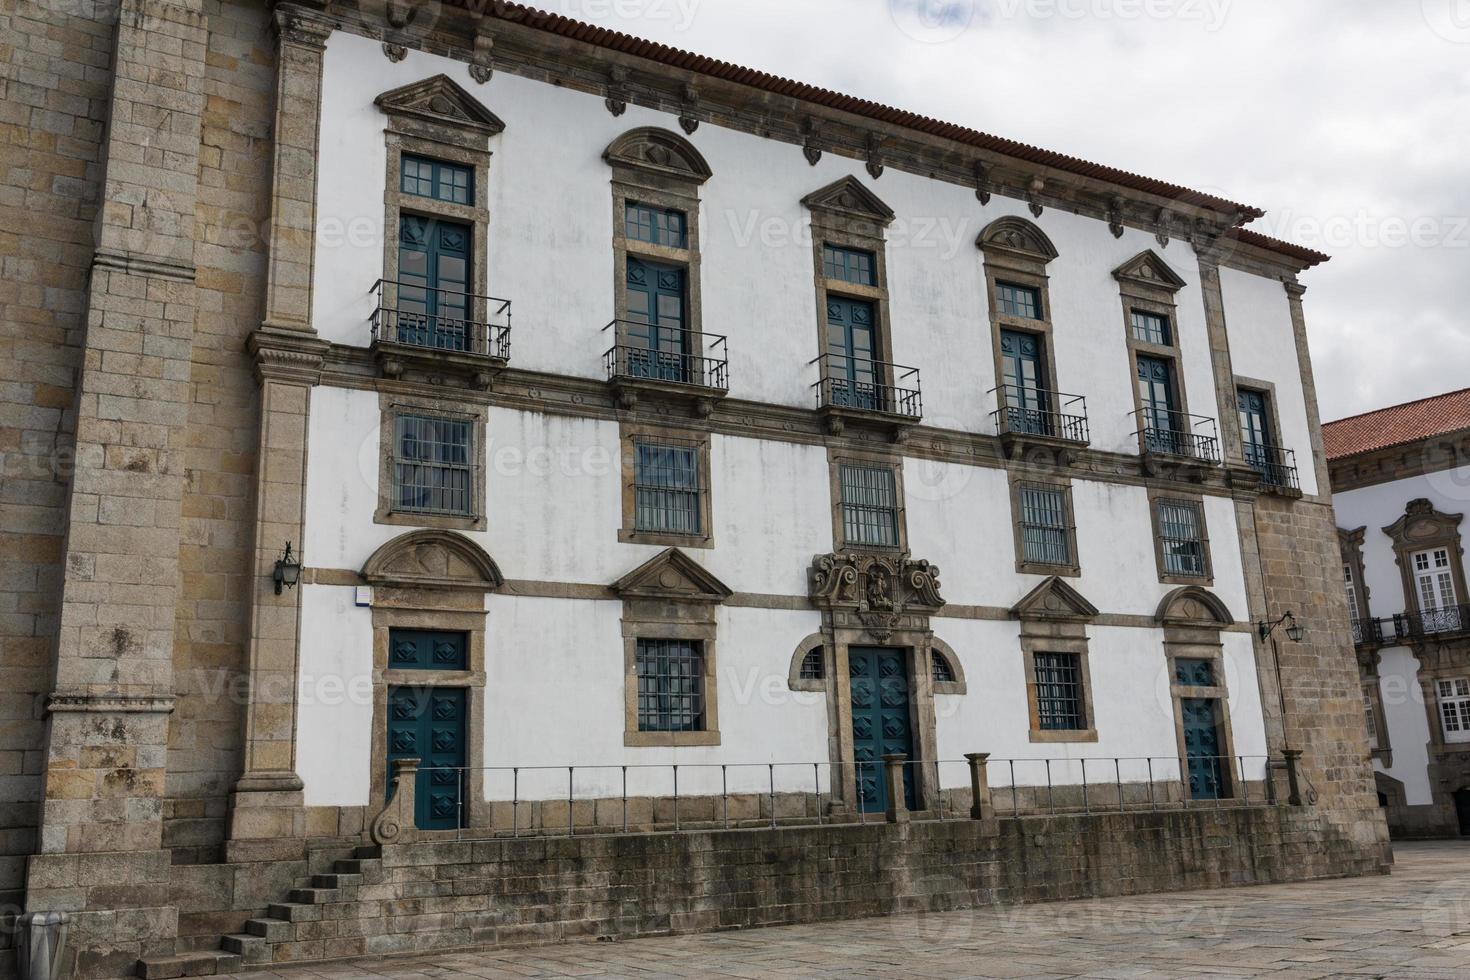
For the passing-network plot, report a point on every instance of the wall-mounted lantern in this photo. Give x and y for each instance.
(288, 570)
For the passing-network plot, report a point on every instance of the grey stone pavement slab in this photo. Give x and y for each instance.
(1414, 923)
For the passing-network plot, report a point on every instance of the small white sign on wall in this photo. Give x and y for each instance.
(364, 595)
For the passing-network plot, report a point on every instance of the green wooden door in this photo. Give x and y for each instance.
(879, 684)
(1024, 377)
(433, 283)
(428, 724)
(1255, 434)
(1204, 748)
(1156, 397)
(658, 334)
(853, 376)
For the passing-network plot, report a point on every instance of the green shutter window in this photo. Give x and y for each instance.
(666, 489)
(1045, 538)
(849, 265)
(1151, 328)
(670, 685)
(1182, 538)
(1059, 705)
(441, 181)
(1022, 301)
(869, 506)
(433, 465)
(657, 226)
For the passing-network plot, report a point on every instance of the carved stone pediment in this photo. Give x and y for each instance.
(659, 151)
(881, 592)
(440, 100)
(1194, 607)
(1055, 601)
(849, 197)
(1148, 269)
(433, 559)
(1422, 524)
(1018, 236)
(673, 575)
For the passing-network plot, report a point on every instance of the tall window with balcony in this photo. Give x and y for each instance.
(1434, 583)
(1260, 440)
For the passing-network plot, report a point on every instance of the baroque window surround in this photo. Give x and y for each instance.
(1019, 479)
(1350, 543)
(431, 580)
(1155, 498)
(1423, 528)
(836, 459)
(661, 169)
(438, 119)
(1147, 284)
(390, 406)
(670, 597)
(630, 434)
(1192, 619)
(1054, 617)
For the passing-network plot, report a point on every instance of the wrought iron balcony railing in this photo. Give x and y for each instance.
(1178, 434)
(1367, 631)
(1037, 412)
(868, 385)
(440, 319)
(1276, 466)
(1426, 623)
(646, 352)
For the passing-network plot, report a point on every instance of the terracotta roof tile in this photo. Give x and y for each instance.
(1397, 425)
(627, 44)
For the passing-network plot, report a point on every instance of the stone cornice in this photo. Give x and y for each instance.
(62, 702)
(1433, 454)
(287, 354)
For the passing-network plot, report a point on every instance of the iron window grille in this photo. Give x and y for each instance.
(849, 265)
(813, 668)
(666, 488)
(869, 506)
(670, 685)
(436, 179)
(1020, 301)
(1046, 535)
(434, 465)
(1150, 328)
(1059, 692)
(657, 226)
(1181, 538)
(940, 670)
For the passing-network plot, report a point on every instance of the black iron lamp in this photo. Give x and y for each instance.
(1294, 631)
(288, 570)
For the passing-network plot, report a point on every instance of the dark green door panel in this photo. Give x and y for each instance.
(879, 685)
(428, 724)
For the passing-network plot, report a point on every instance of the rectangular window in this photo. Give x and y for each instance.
(1370, 717)
(427, 650)
(1181, 534)
(1059, 692)
(1151, 328)
(1194, 673)
(666, 488)
(1350, 585)
(869, 506)
(1454, 709)
(849, 265)
(433, 462)
(658, 226)
(1045, 538)
(1022, 301)
(1435, 580)
(670, 685)
(450, 182)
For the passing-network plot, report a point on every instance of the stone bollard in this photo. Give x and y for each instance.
(42, 942)
(1293, 788)
(898, 809)
(981, 806)
(395, 824)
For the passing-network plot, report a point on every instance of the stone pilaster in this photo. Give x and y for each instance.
(113, 691)
(267, 801)
(1224, 372)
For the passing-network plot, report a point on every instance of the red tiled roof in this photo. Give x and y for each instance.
(1397, 424)
(627, 44)
(1300, 252)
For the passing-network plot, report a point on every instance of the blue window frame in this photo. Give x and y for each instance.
(666, 488)
(1059, 704)
(1181, 534)
(658, 226)
(670, 685)
(427, 650)
(1045, 534)
(869, 506)
(441, 181)
(849, 265)
(1022, 301)
(434, 465)
(1151, 328)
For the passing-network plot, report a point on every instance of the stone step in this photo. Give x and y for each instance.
(357, 866)
(271, 930)
(202, 964)
(314, 896)
(250, 949)
(336, 880)
(369, 851)
(293, 912)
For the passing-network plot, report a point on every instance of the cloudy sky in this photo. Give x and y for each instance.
(1348, 121)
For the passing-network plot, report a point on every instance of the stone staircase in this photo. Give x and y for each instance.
(314, 923)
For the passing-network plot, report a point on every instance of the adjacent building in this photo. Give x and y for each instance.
(473, 386)
(1400, 481)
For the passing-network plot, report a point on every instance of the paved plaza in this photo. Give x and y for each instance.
(1415, 923)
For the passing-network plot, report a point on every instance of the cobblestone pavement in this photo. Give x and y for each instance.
(1415, 923)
